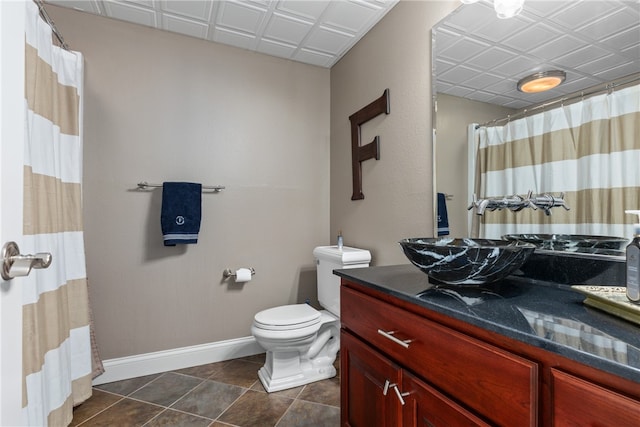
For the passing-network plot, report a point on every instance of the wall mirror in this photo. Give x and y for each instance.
(477, 60)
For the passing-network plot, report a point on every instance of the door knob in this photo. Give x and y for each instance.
(16, 265)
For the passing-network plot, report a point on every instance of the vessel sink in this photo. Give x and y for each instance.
(466, 261)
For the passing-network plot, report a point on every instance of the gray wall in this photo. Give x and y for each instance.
(398, 188)
(162, 107)
(453, 117)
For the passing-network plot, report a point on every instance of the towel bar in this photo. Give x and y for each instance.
(145, 186)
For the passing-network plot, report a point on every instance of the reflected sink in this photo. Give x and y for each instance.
(466, 261)
(572, 242)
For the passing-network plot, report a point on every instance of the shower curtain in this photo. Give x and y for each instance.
(589, 150)
(57, 348)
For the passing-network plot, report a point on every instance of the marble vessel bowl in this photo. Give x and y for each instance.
(466, 261)
(571, 242)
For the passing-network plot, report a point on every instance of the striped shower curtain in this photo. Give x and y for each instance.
(57, 352)
(589, 150)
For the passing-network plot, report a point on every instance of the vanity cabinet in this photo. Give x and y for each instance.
(492, 383)
(577, 402)
(405, 365)
(381, 394)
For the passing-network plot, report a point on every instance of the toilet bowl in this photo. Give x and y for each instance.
(301, 346)
(301, 342)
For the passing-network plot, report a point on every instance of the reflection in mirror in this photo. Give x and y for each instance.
(477, 62)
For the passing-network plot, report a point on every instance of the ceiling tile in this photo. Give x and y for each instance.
(83, 5)
(581, 56)
(481, 81)
(131, 13)
(494, 33)
(348, 16)
(546, 9)
(468, 19)
(624, 38)
(287, 29)
(275, 48)
(609, 25)
(458, 75)
(240, 16)
(463, 49)
(195, 9)
(312, 57)
(575, 15)
(531, 37)
(619, 71)
(189, 27)
(491, 57)
(559, 46)
(233, 38)
(326, 40)
(311, 10)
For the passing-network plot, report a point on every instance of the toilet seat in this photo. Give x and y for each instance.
(287, 317)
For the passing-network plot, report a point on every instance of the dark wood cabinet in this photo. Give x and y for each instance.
(426, 407)
(378, 393)
(367, 378)
(576, 402)
(409, 367)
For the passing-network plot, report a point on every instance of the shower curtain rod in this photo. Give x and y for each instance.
(604, 87)
(49, 21)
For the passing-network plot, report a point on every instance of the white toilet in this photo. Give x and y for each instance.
(302, 342)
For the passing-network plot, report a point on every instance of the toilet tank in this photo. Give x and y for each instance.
(329, 258)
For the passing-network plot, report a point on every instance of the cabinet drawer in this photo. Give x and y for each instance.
(577, 402)
(498, 385)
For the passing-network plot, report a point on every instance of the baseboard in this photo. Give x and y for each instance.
(178, 358)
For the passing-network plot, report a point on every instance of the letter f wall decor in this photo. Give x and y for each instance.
(372, 149)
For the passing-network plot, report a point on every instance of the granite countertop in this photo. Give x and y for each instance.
(543, 314)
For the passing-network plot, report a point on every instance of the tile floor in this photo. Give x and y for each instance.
(217, 395)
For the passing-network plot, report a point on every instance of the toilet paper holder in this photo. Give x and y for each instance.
(230, 273)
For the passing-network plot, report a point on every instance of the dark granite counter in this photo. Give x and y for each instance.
(542, 314)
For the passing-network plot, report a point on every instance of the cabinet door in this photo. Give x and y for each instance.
(365, 377)
(426, 407)
(579, 403)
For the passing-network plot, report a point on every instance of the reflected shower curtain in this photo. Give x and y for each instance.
(57, 352)
(589, 150)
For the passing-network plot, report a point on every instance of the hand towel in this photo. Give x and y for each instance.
(443, 217)
(181, 212)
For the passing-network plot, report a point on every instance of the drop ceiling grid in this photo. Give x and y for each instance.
(314, 32)
(474, 53)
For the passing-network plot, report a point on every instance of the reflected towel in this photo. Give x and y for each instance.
(181, 212)
(443, 217)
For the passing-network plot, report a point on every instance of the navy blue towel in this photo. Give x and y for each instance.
(443, 217)
(181, 211)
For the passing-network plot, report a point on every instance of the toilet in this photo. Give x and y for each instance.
(301, 342)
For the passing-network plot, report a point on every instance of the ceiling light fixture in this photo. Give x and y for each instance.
(542, 81)
(504, 8)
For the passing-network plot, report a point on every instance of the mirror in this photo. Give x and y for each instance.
(477, 60)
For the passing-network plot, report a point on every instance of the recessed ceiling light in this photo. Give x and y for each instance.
(542, 81)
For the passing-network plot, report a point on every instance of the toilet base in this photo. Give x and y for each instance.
(303, 377)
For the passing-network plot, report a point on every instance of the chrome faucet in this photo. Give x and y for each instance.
(516, 203)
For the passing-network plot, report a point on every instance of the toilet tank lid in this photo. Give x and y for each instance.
(345, 256)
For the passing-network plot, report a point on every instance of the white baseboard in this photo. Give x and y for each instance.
(178, 358)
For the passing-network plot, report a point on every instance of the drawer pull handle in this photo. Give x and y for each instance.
(388, 384)
(389, 335)
(400, 395)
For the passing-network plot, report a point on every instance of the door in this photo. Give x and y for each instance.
(369, 386)
(426, 407)
(12, 24)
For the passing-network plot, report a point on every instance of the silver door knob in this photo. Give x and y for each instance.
(16, 265)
